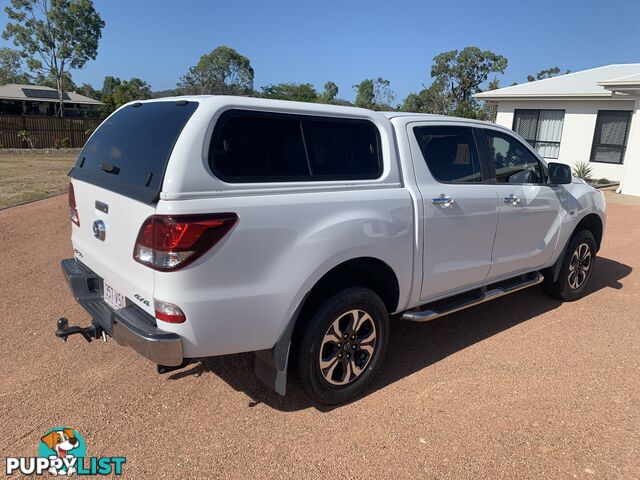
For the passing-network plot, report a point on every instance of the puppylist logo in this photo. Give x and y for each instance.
(62, 451)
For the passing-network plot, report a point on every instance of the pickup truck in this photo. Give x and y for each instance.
(211, 225)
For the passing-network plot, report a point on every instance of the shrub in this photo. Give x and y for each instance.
(25, 136)
(583, 170)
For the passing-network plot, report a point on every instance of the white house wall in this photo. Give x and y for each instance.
(578, 129)
(631, 182)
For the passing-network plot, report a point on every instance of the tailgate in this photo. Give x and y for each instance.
(117, 181)
(112, 257)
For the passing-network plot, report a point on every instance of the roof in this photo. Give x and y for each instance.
(37, 93)
(583, 84)
(233, 101)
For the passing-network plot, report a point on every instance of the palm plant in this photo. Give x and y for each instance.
(583, 170)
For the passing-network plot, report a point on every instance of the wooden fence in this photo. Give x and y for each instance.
(45, 132)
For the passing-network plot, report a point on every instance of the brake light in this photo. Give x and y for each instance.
(73, 209)
(170, 242)
(168, 312)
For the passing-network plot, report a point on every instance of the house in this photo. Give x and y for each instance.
(16, 99)
(587, 116)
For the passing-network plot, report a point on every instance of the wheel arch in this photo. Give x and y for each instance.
(591, 222)
(594, 224)
(271, 365)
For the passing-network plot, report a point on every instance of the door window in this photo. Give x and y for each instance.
(450, 153)
(512, 161)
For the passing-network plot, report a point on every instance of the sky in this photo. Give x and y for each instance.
(350, 40)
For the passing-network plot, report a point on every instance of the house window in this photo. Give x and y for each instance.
(541, 128)
(610, 136)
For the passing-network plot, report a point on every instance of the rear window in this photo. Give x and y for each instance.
(268, 147)
(129, 151)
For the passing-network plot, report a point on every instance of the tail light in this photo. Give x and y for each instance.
(73, 209)
(170, 242)
(168, 312)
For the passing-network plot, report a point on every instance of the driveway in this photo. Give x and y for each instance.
(522, 387)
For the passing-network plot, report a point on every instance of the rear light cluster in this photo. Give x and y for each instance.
(73, 209)
(170, 242)
(168, 312)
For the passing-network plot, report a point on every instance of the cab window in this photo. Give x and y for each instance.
(512, 161)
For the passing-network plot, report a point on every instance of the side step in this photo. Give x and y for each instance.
(431, 311)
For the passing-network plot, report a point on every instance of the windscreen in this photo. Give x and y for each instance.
(129, 151)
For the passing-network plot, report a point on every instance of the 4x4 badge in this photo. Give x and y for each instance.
(99, 230)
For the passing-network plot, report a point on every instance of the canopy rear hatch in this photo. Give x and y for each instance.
(116, 182)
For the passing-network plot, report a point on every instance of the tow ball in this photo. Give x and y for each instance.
(89, 333)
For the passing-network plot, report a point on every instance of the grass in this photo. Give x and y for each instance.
(27, 177)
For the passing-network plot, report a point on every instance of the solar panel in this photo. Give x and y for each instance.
(40, 93)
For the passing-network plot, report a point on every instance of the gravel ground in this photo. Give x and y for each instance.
(522, 387)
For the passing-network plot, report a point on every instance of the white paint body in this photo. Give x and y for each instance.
(241, 294)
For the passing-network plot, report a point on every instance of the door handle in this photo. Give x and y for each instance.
(512, 199)
(443, 201)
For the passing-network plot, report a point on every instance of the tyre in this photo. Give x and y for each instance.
(342, 345)
(576, 270)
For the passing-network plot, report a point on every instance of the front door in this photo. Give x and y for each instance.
(460, 213)
(529, 220)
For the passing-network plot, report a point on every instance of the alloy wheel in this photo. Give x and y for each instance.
(579, 266)
(347, 347)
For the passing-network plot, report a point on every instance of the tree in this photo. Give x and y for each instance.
(130, 90)
(330, 93)
(433, 99)
(11, 70)
(54, 36)
(488, 111)
(88, 91)
(107, 94)
(374, 94)
(464, 72)
(548, 73)
(50, 81)
(221, 72)
(301, 92)
(116, 92)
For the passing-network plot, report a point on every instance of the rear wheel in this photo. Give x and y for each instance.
(577, 267)
(342, 345)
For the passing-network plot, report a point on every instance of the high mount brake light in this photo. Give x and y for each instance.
(73, 209)
(170, 242)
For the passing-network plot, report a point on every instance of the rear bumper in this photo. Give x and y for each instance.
(130, 326)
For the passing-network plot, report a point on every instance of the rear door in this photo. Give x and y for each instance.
(460, 212)
(529, 220)
(116, 182)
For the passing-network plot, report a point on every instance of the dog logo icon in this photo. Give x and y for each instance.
(63, 443)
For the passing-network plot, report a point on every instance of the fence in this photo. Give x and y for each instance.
(45, 132)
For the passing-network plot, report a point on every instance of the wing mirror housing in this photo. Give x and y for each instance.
(559, 173)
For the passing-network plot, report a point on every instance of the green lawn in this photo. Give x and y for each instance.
(26, 177)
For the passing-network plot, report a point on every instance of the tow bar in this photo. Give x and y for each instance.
(89, 333)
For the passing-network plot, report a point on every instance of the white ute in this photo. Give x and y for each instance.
(211, 225)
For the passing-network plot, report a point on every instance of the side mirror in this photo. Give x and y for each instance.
(559, 173)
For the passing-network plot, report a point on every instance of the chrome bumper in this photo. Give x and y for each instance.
(130, 326)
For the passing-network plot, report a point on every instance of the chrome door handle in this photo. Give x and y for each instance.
(443, 201)
(512, 199)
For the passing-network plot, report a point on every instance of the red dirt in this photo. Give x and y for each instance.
(522, 387)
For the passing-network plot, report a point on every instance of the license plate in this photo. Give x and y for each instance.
(113, 298)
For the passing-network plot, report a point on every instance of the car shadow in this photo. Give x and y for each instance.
(412, 346)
